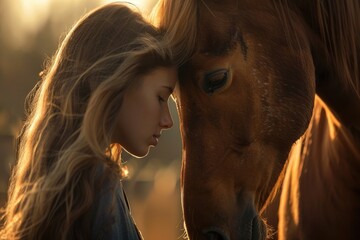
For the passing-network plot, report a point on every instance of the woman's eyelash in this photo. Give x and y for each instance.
(161, 99)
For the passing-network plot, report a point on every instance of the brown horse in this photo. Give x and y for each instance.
(268, 89)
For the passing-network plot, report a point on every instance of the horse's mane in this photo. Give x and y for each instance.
(338, 25)
(337, 161)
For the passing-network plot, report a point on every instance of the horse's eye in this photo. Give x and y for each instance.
(215, 80)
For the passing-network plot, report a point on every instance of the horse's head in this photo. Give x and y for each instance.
(244, 98)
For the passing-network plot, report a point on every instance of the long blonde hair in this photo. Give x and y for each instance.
(71, 114)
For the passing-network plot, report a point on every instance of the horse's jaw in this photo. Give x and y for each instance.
(219, 201)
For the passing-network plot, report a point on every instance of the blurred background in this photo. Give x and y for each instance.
(31, 30)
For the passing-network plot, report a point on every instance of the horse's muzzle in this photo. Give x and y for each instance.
(216, 234)
(255, 230)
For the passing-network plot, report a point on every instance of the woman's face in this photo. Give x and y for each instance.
(144, 112)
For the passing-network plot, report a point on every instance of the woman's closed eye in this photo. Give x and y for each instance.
(164, 94)
(161, 99)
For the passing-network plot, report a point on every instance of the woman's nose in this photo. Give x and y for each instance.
(166, 120)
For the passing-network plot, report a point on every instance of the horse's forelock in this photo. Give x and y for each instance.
(178, 21)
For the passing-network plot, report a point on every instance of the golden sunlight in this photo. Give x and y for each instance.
(125, 172)
(26, 18)
(31, 9)
(143, 5)
(165, 181)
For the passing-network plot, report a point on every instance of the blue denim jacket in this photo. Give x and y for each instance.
(112, 218)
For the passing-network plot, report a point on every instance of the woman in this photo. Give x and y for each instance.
(106, 89)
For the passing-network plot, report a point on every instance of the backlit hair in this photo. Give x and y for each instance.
(71, 115)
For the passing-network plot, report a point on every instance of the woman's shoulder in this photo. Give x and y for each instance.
(112, 218)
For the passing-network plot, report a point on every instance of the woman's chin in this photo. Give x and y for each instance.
(139, 153)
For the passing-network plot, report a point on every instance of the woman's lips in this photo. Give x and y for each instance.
(155, 138)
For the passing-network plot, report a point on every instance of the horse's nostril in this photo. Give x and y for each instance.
(215, 235)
